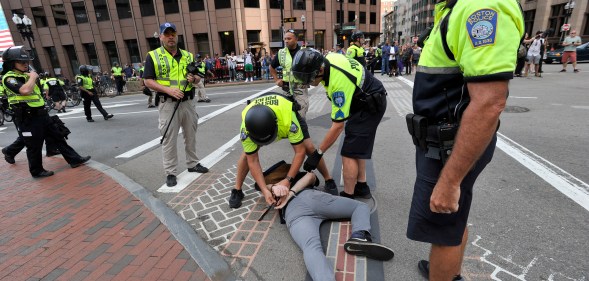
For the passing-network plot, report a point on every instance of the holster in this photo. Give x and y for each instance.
(373, 102)
(60, 126)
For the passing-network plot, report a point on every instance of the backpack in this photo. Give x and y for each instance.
(522, 51)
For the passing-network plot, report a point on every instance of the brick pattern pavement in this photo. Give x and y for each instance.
(81, 225)
(238, 235)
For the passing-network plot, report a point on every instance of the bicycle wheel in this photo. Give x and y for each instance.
(76, 98)
(1, 117)
(8, 116)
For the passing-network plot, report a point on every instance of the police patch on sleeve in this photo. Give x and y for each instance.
(243, 135)
(482, 27)
(11, 80)
(339, 99)
(293, 128)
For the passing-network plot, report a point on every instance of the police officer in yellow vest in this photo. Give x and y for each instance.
(200, 86)
(165, 73)
(31, 119)
(268, 118)
(358, 105)
(461, 87)
(53, 89)
(89, 94)
(117, 73)
(355, 51)
(284, 59)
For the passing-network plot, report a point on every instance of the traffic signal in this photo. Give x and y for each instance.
(344, 37)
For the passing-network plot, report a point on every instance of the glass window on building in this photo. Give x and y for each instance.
(59, 14)
(319, 38)
(351, 1)
(556, 19)
(133, 49)
(253, 36)
(202, 43)
(299, 5)
(227, 41)
(339, 16)
(196, 5)
(363, 17)
(123, 9)
(319, 5)
(153, 43)
(111, 52)
(146, 8)
(251, 3)
(529, 20)
(101, 10)
(171, 7)
(39, 18)
(362, 1)
(181, 43)
(351, 16)
(222, 4)
(372, 18)
(70, 51)
(372, 2)
(586, 30)
(91, 51)
(275, 4)
(52, 55)
(80, 14)
(276, 35)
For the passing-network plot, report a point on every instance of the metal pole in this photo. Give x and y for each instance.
(341, 20)
(281, 22)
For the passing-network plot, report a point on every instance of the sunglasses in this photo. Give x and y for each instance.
(292, 31)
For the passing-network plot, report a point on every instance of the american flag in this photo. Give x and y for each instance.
(5, 36)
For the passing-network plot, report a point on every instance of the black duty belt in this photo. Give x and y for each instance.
(187, 96)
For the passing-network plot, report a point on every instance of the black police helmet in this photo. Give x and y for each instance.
(83, 69)
(357, 35)
(260, 122)
(16, 53)
(306, 65)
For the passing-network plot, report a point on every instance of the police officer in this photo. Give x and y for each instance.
(266, 119)
(53, 89)
(359, 113)
(89, 94)
(355, 50)
(200, 86)
(284, 59)
(165, 73)
(117, 73)
(31, 119)
(463, 83)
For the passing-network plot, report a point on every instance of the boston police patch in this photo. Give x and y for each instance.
(243, 135)
(294, 128)
(482, 27)
(339, 99)
(11, 81)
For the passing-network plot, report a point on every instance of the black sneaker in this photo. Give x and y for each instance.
(362, 190)
(199, 169)
(8, 158)
(330, 187)
(108, 116)
(423, 267)
(43, 174)
(90, 120)
(360, 244)
(80, 162)
(171, 180)
(52, 153)
(235, 199)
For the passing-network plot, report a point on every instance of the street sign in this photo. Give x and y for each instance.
(349, 27)
(290, 20)
(566, 27)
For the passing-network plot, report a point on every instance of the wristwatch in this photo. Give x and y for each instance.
(290, 179)
(319, 151)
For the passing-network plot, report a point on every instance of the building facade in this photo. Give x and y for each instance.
(69, 33)
(551, 15)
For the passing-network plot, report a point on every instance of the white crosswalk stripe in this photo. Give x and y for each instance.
(399, 97)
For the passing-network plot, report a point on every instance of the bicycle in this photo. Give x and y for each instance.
(73, 96)
(6, 114)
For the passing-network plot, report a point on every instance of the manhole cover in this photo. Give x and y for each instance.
(515, 109)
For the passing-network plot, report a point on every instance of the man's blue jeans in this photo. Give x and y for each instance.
(384, 69)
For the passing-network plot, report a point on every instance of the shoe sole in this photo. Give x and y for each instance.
(370, 250)
(423, 267)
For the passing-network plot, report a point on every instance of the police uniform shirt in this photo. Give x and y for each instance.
(288, 124)
(15, 83)
(53, 85)
(340, 89)
(276, 62)
(483, 37)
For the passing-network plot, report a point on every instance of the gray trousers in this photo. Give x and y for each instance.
(304, 215)
(302, 98)
(186, 118)
(201, 93)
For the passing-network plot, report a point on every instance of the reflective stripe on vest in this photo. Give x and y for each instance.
(33, 100)
(285, 61)
(168, 72)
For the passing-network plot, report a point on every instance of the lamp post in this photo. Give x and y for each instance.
(416, 25)
(568, 9)
(304, 30)
(24, 26)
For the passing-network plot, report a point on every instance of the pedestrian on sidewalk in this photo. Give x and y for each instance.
(534, 54)
(89, 94)
(175, 98)
(30, 117)
(266, 119)
(459, 94)
(570, 43)
(303, 209)
(358, 114)
(386, 52)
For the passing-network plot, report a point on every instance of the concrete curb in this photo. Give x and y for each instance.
(206, 257)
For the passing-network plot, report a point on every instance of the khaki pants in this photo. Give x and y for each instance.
(185, 117)
(302, 98)
(201, 93)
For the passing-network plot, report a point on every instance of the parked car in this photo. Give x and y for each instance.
(556, 55)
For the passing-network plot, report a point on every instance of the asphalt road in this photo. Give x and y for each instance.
(529, 219)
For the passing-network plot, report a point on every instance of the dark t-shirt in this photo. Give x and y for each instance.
(14, 83)
(276, 62)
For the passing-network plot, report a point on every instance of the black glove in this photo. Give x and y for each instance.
(312, 161)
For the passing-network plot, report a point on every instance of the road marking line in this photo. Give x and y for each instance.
(567, 184)
(516, 97)
(156, 141)
(185, 178)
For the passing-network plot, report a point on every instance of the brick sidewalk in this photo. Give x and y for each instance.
(82, 225)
